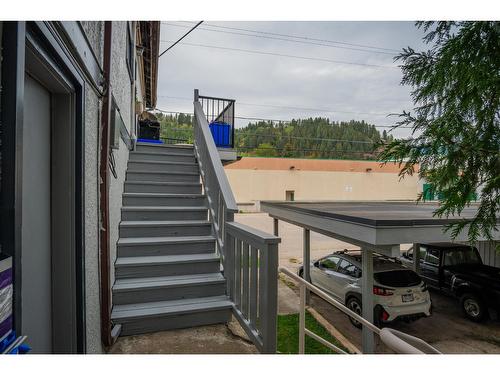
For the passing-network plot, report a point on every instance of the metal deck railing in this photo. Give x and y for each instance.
(395, 340)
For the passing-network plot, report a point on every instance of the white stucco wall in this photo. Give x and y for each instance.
(255, 185)
(95, 34)
(122, 91)
(93, 319)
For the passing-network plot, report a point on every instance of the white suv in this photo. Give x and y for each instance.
(399, 293)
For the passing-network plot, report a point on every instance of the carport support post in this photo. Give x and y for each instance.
(416, 257)
(368, 341)
(306, 259)
(275, 221)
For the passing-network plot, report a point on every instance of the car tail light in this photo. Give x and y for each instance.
(379, 291)
(385, 316)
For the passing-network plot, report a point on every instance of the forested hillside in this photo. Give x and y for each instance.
(310, 138)
(305, 138)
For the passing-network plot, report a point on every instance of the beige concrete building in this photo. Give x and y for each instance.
(255, 179)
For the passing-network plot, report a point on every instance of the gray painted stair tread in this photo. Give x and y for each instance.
(173, 153)
(164, 208)
(166, 259)
(163, 162)
(163, 172)
(166, 281)
(163, 240)
(160, 195)
(163, 183)
(175, 307)
(163, 145)
(164, 223)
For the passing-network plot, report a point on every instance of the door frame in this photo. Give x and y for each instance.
(48, 48)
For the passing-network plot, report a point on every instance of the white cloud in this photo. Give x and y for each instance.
(278, 80)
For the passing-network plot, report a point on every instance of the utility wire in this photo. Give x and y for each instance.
(283, 136)
(288, 107)
(305, 138)
(284, 39)
(297, 37)
(283, 55)
(304, 150)
(275, 120)
(182, 37)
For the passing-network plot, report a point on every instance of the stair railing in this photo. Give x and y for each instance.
(399, 342)
(248, 256)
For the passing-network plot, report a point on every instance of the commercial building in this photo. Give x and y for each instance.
(256, 179)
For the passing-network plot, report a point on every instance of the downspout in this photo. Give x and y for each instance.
(105, 285)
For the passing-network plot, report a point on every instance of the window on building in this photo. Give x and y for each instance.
(290, 195)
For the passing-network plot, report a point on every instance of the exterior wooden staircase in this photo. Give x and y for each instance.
(167, 271)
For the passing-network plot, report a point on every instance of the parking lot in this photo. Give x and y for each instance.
(446, 329)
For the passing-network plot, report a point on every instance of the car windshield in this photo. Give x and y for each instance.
(466, 255)
(397, 278)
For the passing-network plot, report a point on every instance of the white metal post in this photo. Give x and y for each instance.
(368, 341)
(416, 257)
(306, 259)
(302, 319)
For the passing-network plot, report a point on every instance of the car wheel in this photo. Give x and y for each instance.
(354, 304)
(301, 273)
(473, 307)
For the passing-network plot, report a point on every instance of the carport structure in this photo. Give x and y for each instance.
(375, 226)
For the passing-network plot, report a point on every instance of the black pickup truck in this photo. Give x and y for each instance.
(458, 270)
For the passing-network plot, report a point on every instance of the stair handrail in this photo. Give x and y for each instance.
(249, 257)
(399, 342)
(221, 202)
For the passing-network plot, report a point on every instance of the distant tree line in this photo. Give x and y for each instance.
(305, 138)
(176, 127)
(311, 138)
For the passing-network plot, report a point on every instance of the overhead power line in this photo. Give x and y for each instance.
(276, 136)
(182, 37)
(285, 39)
(274, 120)
(298, 37)
(304, 138)
(304, 150)
(283, 55)
(325, 110)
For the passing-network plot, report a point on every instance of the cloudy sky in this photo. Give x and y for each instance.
(346, 70)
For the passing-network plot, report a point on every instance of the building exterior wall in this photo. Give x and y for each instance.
(489, 252)
(251, 186)
(122, 91)
(122, 88)
(95, 34)
(92, 224)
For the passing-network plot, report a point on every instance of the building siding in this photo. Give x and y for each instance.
(489, 253)
(252, 186)
(121, 88)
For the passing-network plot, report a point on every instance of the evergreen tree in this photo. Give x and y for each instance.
(456, 128)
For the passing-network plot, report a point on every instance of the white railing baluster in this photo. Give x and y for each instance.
(302, 319)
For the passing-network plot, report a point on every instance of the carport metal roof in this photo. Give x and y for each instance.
(379, 226)
(376, 224)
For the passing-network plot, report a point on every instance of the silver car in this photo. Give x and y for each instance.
(399, 293)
